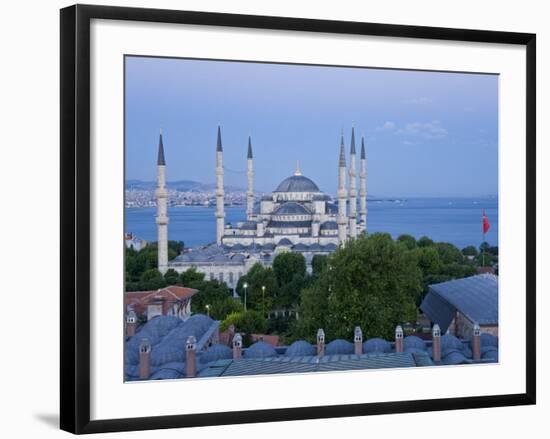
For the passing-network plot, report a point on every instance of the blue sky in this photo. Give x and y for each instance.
(426, 133)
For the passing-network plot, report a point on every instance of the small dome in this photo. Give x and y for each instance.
(489, 353)
(339, 346)
(291, 208)
(169, 371)
(331, 208)
(268, 247)
(300, 348)
(449, 341)
(285, 241)
(330, 247)
(376, 345)
(412, 341)
(454, 357)
(260, 349)
(297, 183)
(300, 247)
(216, 352)
(167, 353)
(489, 340)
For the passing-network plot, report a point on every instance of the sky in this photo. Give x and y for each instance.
(426, 133)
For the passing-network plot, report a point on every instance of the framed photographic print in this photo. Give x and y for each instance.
(272, 218)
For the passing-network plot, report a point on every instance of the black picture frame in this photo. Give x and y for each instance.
(75, 217)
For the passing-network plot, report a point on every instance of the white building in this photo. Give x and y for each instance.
(296, 216)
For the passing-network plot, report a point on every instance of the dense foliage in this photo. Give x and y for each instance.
(374, 281)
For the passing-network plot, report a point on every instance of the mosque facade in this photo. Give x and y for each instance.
(297, 216)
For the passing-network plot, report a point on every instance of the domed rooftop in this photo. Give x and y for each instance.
(300, 348)
(260, 349)
(377, 345)
(291, 208)
(414, 342)
(217, 352)
(297, 183)
(339, 346)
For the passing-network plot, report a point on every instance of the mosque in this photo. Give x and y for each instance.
(296, 217)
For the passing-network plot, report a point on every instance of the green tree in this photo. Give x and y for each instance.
(191, 278)
(449, 253)
(257, 277)
(424, 241)
(152, 280)
(212, 293)
(222, 307)
(372, 282)
(171, 277)
(247, 323)
(408, 240)
(318, 263)
(469, 251)
(287, 265)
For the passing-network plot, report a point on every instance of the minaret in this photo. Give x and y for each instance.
(363, 188)
(342, 194)
(352, 189)
(250, 177)
(162, 208)
(220, 194)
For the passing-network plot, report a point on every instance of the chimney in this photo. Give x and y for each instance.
(144, 359)
(320, 342)
(476, 343)
(191, 357)
(358, 340)
(436, 343)
(398, 339)
(237, 346)
(131, 323)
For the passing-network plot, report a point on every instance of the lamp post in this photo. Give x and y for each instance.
(263, 300)
(207, 310)
(245, 286)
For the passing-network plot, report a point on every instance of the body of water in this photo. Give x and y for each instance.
(454, 220)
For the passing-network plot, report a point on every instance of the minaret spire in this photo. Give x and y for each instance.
(352, 189)
(250, 180)
(363, 188)
(297, 171)
(342, 194)
(220, 194)
(162, 210)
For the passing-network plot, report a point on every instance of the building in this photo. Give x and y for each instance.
(169, 348)
(297, 216)
(457, 306)
(169, 301)
(133, 242)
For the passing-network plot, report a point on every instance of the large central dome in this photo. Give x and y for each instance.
(297, 183)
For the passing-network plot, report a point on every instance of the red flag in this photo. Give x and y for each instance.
(486, 224)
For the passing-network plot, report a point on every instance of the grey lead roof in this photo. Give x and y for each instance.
(219, 141)
(476, 297)
(312, 363)
(297, 183)
(160, 159)
(249, 155)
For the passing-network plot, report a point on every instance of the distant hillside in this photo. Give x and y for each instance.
(179, 185)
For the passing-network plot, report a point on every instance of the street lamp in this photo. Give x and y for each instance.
(245, 286)
(263, 300)
(207, 310)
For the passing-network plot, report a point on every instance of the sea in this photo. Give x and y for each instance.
(454, 220)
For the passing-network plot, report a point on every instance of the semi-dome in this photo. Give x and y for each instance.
(297, 183)
(329, 225)
(291, 208)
